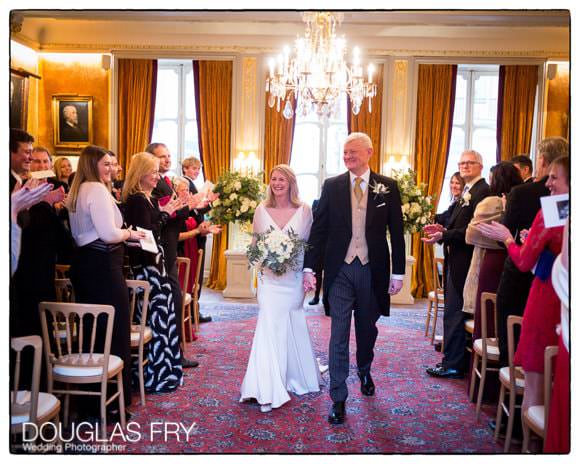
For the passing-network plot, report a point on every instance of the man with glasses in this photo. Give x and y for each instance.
(457, 260)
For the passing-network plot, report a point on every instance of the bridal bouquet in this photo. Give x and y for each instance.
(276, 250)
(416, 206)
(238, 198)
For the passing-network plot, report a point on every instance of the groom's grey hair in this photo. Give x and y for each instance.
(359, 136)
(477, 155)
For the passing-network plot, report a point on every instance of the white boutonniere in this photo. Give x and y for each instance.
(379, 189)
(465, 199)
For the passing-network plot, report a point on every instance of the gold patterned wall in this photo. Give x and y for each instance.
(558, 103)
(73, 74)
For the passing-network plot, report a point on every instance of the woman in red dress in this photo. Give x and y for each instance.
(542, 312)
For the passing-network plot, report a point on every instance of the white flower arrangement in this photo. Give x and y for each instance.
(277, 251)
(238, 198)
(415, 205)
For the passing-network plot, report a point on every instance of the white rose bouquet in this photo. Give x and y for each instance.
(276, 250)
(238, 198)
(415, 205)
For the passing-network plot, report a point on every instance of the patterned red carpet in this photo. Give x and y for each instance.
(410, 413)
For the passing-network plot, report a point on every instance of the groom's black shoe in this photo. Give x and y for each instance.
(367, 386)
(337, 413)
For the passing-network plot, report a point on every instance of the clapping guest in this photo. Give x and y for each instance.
(456, 185)
(542, 311)
(163, 372)
(191, 168)
(457, 261)
(169, 238)
(63, 170)
(97, 267)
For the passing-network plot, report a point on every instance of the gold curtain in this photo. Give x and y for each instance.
(435, 100)
(137, 79)
(516, 113)
(279, 132)
(215, 114)
(370, 123)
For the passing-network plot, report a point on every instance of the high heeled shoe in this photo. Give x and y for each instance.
(266, 407)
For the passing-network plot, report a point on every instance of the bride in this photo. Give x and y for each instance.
(281, 359)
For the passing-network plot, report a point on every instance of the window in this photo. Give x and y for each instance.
(317, 150)
(474, 121)
(175, 112)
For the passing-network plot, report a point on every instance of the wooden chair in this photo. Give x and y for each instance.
(196, 286)
(436, 298)
(183, 268)
(62, 271)
(30, 405)
(65, 292)
(141, 334)
(512, 382)
(486, 350)
(536, 417)
(71, 364)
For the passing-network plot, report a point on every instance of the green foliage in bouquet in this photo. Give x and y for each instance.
(238, 198)
(276, 250)
(416, 206)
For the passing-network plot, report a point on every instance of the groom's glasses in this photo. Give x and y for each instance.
(467, 163)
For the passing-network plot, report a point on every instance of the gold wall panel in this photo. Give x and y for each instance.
(558, 104)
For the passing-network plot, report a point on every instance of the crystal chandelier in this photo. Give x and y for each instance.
(318, 74)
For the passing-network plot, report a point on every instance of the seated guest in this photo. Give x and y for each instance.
(558, 427)
(163, 372)
(456, 186)
(523, 163)
(542, 311)
(63, 170)
(97, 266)
(457, 260)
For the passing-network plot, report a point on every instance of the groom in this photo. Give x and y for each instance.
(356, 210)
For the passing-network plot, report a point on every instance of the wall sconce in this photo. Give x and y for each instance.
(247, 164)
(396, 163)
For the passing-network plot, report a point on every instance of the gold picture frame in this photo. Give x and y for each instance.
(72, 117)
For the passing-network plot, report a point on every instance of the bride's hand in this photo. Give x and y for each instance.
(309, 281)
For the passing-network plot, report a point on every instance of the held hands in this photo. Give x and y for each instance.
(135, 236)
(309, 281)
(55, 196)
(395, 286)
(524, 235)
(197, 201)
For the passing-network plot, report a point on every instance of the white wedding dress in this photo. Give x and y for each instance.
(281, 359)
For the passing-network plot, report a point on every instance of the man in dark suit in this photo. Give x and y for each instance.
(43, 239)
(42, 161)
(356, 209)
(191, 167)
(317, 269)
(170, 233)
(523, 163)
(457, 260)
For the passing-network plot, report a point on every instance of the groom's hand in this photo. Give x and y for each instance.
(395, 286)
(309, 281)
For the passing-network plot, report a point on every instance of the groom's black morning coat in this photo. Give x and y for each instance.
(332, 231)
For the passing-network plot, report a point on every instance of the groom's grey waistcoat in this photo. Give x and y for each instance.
(358, 243)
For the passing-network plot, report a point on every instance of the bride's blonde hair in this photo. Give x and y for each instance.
(288, 173)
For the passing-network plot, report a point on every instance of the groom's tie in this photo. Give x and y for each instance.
(358, 193)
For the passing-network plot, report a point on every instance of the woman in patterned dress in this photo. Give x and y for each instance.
(164, 370)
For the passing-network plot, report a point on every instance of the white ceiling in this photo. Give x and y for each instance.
(529, 32)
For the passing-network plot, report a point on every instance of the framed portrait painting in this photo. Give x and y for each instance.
(72, 117)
